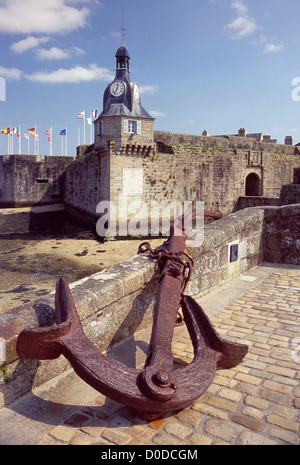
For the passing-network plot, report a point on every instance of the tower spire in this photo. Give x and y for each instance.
(123, 29)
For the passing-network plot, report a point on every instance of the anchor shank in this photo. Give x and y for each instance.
(157, 379)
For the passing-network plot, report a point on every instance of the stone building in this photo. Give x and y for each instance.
(131, 164)
(123, 119)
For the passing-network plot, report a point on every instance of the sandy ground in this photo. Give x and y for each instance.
(38, 245)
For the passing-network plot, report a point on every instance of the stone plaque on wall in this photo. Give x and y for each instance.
(133, 181)
(255, 158)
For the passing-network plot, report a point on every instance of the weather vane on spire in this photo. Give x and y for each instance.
(123, 29)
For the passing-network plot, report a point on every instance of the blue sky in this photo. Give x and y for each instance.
(217, 65)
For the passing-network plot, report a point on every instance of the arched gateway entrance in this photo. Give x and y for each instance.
(253, 187)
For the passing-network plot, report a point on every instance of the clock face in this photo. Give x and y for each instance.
(117, 88)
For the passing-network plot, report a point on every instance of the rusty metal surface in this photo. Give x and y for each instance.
(157, 389)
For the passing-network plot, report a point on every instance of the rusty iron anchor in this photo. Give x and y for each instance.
(157, 389)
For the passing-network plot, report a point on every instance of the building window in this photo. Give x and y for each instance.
(132, 127)
(100, 128)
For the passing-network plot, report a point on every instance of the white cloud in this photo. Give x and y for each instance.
(243, 25)
(55, 53)
(239, 6)
(43, 17)
(73, 75)
(28, 43)
(11, 74)
(156, 113)
(148, 90)
(270, 48)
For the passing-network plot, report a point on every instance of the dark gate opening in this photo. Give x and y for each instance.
(252, 185)
(296, 179)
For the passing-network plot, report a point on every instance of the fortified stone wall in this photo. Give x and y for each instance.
(215, 174)
(86, 183)
(224, 142)
(27, 180)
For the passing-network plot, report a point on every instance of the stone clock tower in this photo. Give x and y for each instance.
(123, 123)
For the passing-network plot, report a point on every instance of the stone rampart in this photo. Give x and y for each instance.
(224, 142)
(113, 303)
(27, 180)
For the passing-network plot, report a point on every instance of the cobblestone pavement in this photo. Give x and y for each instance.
(255, 403)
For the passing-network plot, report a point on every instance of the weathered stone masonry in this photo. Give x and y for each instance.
(214, 170)
(27, 180)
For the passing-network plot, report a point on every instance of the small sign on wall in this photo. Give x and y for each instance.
(133, 181)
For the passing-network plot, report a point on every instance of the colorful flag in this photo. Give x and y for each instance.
(18, 131)
(81, 115)
(49, 138)
(94, 113)
(63, 132)
(26, 136)
(31, 131)
(36, 136)
(5, 131)
(48, 132)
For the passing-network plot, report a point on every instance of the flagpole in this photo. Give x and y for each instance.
(12, 142)
(66, 141)
(34, 140)
(20, 146)
(62, 145)
(84, 127)
(78, 137)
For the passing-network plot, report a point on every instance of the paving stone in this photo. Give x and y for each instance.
(141, 434)
(253, 412)
(116, 436)
(82, 439)
(190, 417)
(282, 422)
(47, 441)
(226, 431)
(94, 428)
(249, 438)
(222, 403)
(178, 429)
(210, 410)
(257, 402)
(278, 387)
(62, 433)
(198, 439)
(166, 440)
(248, 379)
(230, 394)
(247, 422)
(157, 424)
(284, 435)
